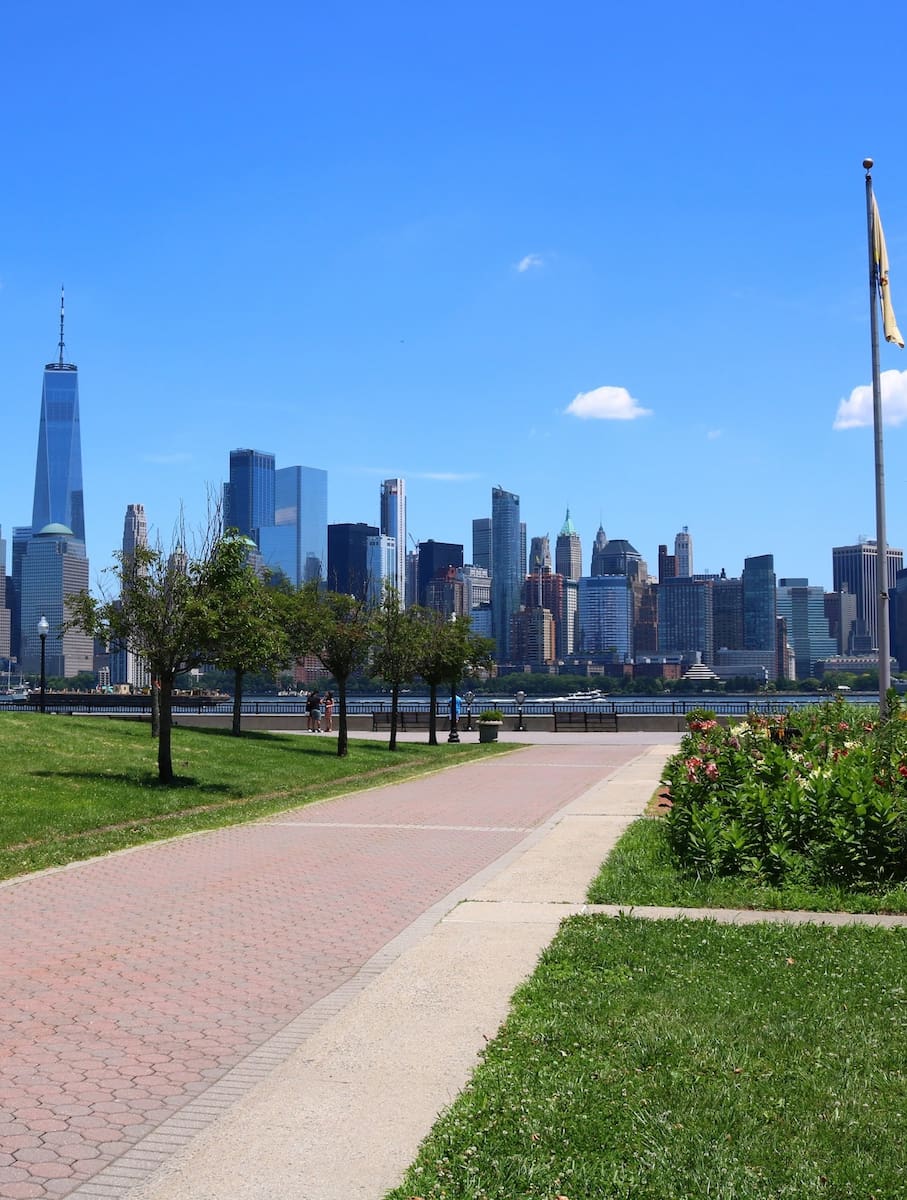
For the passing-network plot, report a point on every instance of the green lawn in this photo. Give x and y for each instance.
(683, 1060)
(73, 787)
(640, 871)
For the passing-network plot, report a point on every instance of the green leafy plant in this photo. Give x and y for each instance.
(491, 714)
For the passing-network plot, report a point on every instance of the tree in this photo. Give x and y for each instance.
(163, 614)
(395, 650)
(446, 650)
(337, 630)
(248, 635)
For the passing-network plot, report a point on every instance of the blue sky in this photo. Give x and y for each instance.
(402, 239)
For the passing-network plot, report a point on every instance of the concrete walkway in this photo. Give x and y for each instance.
(281, 1009)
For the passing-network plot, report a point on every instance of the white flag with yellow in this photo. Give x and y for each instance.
(880, 255)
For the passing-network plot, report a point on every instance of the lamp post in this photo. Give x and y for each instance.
(469, 697)
(520, 701)
(43, 628)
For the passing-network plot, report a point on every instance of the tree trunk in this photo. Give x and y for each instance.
(433, 715)
(342, 737)
(395, 704)
(237, 703)
(164, 754)
(155, 706)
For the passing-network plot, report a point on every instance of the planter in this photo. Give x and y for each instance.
(488, 730)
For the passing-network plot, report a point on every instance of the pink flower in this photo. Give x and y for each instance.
(711, 770)
(692, 765)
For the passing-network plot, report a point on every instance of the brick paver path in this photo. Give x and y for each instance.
(132, 983)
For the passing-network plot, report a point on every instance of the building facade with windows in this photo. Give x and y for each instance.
(507, 555)
(295, 545)
(249, 497)
(393, 525)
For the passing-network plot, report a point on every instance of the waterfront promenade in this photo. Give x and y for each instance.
(281, 1009)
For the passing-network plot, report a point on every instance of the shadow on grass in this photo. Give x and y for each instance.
(146, 780)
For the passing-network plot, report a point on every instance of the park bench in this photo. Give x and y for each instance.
(601, 720)
(569, 720)
(587, 721)
(382, 720)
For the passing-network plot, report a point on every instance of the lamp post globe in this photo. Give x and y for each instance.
(43, 630)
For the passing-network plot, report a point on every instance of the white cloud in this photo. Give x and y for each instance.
(713, 435)
(856, 410)
(606, 404)
(530, 261)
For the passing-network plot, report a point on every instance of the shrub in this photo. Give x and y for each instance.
(491, 714)
(822, 797)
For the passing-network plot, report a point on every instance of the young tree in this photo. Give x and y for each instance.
(447, 649)
(337, 630)
(248, 635)
(395, 650)
(163, 614)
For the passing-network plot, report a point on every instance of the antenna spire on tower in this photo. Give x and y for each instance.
(61, 324)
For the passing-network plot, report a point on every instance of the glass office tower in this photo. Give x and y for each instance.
(393, 525)
(58, 471)
(296, 543)
(507, 558)
(249, 496)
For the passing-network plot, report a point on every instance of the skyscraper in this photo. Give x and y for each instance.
(54, 568)
(348, 558)
(381, 567)
(685, 618)
(4, 611)
(759, 603)
(481, 544)
(803, 608)
(605, 616)
(507, 556)
(135, 529)
(393, 524)
(568, 551)
(295, 544)
(434, 559)
(856, 567)
(49, 560)
(540, 554)
(599, 547)
(125, 665)
(58, 471)
(683, 552)
(249, 499)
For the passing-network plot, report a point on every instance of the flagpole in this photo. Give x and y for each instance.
(882, 633)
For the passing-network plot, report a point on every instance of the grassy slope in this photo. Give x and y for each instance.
(676, 1060)
(72, 787)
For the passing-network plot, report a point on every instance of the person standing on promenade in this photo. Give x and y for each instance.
(313, 708)
(328, 724)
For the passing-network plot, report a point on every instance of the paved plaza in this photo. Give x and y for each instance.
(281, 1008)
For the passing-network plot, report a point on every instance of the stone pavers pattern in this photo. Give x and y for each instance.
(134, 982)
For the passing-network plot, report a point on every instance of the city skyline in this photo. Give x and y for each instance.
(409, 252)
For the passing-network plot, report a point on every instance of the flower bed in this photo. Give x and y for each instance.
(819, 796)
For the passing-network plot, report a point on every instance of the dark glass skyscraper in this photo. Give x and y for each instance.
(759, 611)
(249, 497)
(58, 472)
(507, 580)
